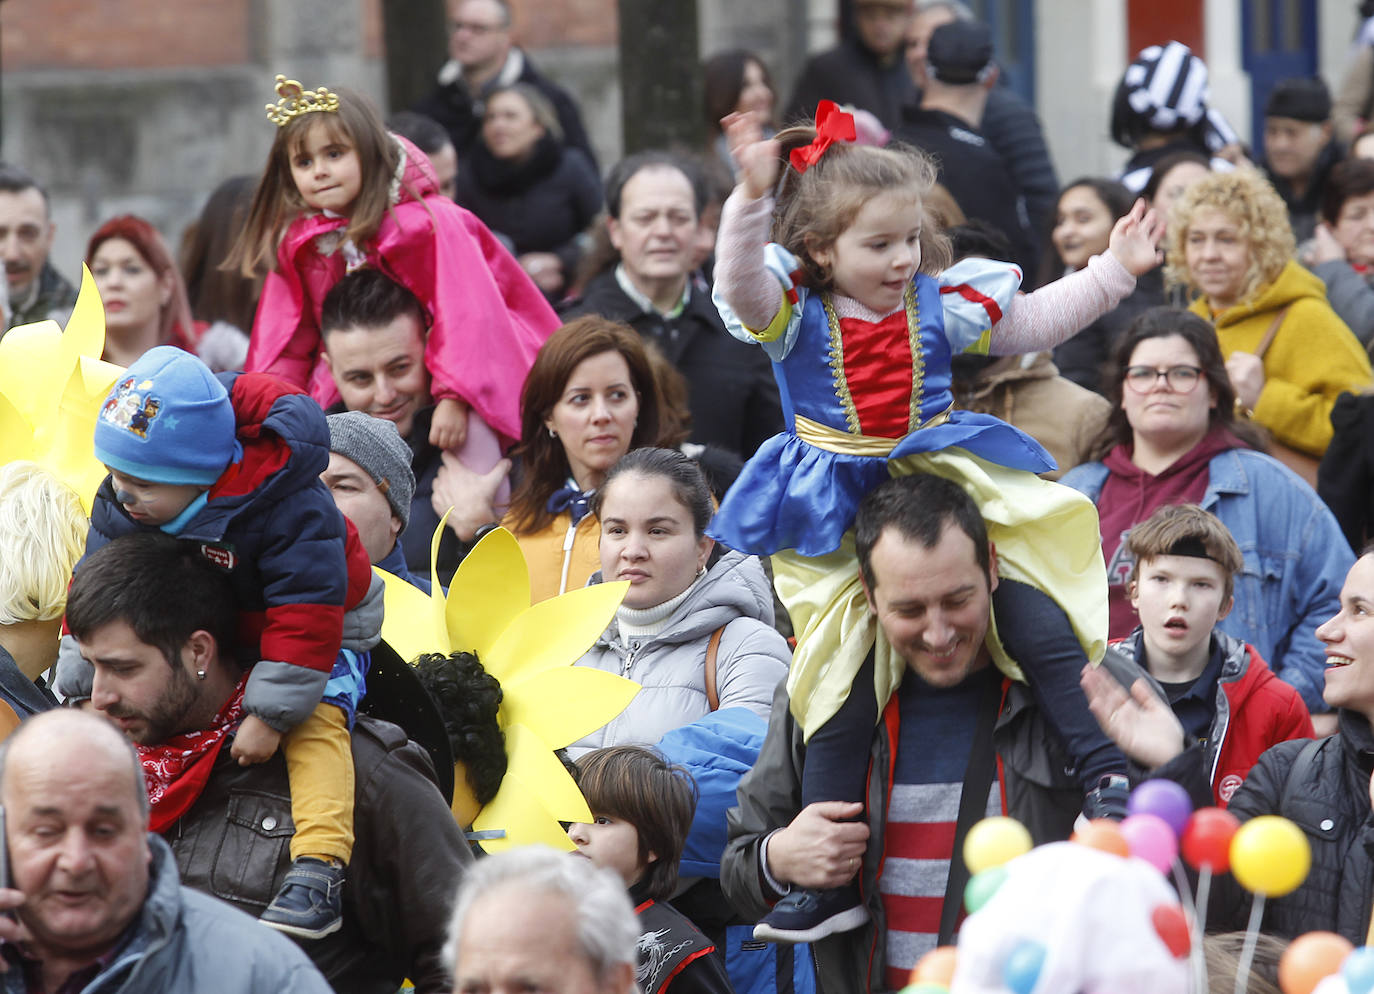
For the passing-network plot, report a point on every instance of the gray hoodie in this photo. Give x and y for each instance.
(671, 666)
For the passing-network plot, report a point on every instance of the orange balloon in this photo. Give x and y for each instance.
(935, 967)
(1309, 959)
(1104, 834)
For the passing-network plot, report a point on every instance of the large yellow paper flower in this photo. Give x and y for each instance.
(547, 703)
(52, 383)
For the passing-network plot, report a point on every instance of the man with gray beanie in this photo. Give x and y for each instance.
(370, 477)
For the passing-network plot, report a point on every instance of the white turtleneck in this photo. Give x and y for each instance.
(646, 622)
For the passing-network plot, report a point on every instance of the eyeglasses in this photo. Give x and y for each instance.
(474, 28)
(1181, 379)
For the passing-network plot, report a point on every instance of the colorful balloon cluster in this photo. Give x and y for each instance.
(1268, 855)
(1326, 961)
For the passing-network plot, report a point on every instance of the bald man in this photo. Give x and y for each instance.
(98, 898)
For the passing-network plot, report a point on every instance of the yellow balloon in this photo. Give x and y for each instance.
(1270, 856)
(994, 841)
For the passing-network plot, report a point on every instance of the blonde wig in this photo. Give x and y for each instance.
(42, 535)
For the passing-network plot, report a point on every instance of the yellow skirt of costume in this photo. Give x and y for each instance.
(1045, 534)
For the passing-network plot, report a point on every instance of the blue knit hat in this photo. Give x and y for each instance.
(167, 420)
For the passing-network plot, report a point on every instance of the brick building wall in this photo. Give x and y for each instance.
(144, 106)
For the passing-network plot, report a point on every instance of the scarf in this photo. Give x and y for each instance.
(177, 770)
(576, 502)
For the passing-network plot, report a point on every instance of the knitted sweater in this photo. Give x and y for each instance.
(1313, 359)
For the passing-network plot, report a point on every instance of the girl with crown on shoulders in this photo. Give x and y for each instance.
(340, 193)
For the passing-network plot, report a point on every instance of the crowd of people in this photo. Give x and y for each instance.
(937, 491)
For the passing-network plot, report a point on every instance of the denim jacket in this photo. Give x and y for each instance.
(1296, 558)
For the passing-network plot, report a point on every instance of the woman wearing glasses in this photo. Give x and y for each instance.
(1288, 355)
(1174, 438)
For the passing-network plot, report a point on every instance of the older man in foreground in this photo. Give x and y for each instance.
(98, 900)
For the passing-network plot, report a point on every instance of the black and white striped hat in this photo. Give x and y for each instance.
(1167, 86)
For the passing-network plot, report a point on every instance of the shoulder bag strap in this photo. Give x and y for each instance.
(1269, 334)
(973, 807)
(712, 650)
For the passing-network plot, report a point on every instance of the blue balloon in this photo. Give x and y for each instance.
(1358, 970)
(1021, 969)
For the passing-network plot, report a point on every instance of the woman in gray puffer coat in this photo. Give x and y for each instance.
(654, 508)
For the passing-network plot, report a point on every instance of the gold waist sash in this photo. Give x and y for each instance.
(834, 440)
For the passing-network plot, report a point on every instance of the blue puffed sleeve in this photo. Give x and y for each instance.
(976, 293)
(780, 335)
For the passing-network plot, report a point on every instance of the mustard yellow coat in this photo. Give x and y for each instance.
(1313, 359)
(543, 551)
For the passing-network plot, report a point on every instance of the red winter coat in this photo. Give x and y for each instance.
(1254, 709)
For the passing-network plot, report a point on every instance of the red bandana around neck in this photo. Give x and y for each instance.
(177, 770)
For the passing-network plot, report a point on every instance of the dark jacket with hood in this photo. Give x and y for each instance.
(296, 563)
(542, 204)
(851, 73)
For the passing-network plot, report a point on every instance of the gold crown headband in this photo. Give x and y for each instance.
(293, 101)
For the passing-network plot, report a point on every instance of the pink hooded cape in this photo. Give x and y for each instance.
(489, 319)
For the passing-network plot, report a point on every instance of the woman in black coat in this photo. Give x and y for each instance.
(528, 187)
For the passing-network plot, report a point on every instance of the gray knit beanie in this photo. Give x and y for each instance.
(376, 446)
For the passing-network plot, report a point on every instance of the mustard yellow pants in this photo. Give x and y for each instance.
(319, 761)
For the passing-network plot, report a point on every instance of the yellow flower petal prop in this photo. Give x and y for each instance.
(490, 589)
(535, 796)
(407, 624)
(52, 383)
(543, 703)
(554, 632)
(547, 702)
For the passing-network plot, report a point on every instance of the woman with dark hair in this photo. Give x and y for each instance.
(695, 630)
(589, 398)
(144, 297)
(1341, 253)
(737, 82)
(526, 185)
(1084, 216)
(1172, 175)
(224, 299)
(1173, 439)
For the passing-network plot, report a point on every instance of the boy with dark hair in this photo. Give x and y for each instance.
(641, 811)
(1222, 692)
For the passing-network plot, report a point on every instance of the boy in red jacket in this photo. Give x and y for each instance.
(1224, 695)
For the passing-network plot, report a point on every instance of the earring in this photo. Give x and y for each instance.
(701, 571)
(552, 433)
(200, 674)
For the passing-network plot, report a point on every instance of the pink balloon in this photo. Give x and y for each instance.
(1151, 839)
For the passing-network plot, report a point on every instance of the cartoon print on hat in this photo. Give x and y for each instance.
(131, 410)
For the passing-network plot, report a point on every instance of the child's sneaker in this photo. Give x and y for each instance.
(310, 902)
(807, 915)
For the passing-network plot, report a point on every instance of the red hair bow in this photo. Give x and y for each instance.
(832, 125)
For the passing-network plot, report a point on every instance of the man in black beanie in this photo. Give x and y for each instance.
(1299, 150)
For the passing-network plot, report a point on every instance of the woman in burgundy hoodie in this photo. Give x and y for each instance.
(1173, 438)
